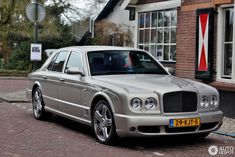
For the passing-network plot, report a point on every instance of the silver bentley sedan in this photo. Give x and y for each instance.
(122, 92)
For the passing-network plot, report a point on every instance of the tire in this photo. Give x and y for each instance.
(103, 123)
(38, 105)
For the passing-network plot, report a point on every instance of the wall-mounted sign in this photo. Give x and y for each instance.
(204, 44)
(36, 52)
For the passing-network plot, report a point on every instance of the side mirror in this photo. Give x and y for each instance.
(74, 71)
(170, 70)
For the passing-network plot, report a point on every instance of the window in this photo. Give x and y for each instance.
(123, 62)
(132, 14)
(52, 62)
(228, 43)
(225, 63)
(75, 61)
(57, 62)
(157, 33)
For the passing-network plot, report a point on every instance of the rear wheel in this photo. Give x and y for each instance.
(103, 123)
(38, 105)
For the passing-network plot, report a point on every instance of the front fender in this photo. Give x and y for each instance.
(108, 97)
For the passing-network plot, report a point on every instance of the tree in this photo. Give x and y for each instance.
(108, 33)
(16, 32)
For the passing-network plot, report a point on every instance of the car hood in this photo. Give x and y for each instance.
(151, 83)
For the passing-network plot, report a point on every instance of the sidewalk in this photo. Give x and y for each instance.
(12, 89)
(228, 127)
(15, 97)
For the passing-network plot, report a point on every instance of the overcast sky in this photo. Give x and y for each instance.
(84, 7)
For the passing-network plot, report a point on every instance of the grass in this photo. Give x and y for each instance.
(13, 73)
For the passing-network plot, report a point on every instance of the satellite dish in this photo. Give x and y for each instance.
(30, 12)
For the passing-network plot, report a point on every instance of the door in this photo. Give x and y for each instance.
(71, 87)
(51, 79)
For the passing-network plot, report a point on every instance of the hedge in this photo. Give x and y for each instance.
(13, 73)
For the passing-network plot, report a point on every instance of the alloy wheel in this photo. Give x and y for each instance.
(37, 103)
(103, 123)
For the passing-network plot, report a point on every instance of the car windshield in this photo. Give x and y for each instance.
(123, 62)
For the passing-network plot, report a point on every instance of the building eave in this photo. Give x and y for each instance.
(126, 3)
(107, 10)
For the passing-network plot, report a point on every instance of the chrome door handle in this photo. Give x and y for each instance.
(61, 79)
(44, 77)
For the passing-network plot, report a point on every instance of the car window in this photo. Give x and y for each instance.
(59, 61)
(75, 61)
(52, 62)
(123, 62)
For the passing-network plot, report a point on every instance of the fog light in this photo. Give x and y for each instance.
(132, 129)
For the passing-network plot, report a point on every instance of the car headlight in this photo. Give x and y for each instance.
(213, 100)
(150, 103)
(136, 103)
(209, 102)
(204, 102)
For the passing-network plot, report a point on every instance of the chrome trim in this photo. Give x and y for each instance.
(66, 102)
(68, 115)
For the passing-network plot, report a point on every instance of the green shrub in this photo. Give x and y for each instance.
(20, 58)
(17, 73)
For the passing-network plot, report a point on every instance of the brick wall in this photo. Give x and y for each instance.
(186, 41)
(189, 2)
(214, 47)
(186, 44)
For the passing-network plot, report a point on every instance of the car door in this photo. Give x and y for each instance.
(71, 87)
(51, 79)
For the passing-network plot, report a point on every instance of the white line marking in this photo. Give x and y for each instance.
(18, 105)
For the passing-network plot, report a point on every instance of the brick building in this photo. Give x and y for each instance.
(195, 37)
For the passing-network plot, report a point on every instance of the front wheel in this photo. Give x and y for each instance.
(103, 123)
(38, 105)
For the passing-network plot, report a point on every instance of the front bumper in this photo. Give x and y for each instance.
(155, 125)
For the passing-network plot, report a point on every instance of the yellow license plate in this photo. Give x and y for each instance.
(184, 122)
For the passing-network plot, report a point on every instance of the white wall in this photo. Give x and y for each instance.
(121, 17)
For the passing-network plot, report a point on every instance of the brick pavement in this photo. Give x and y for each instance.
(8, 85)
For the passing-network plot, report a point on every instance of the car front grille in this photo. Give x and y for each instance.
(183, 101)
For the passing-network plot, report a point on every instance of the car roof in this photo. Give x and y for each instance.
(97, 48)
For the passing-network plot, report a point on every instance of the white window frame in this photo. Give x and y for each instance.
(150, 28)
(164, 5)
(220, 46)
(158, 6)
